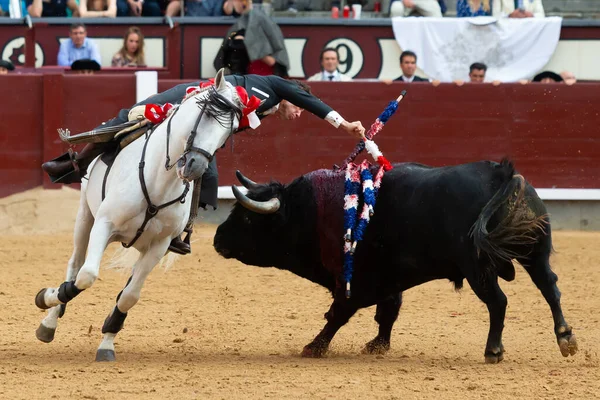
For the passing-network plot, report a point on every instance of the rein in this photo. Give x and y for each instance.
(356, 175)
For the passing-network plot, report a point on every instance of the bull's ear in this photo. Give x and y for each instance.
(220, 82)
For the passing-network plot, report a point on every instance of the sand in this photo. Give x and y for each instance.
(245, 328)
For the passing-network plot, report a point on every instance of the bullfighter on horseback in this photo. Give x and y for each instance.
(287, 98)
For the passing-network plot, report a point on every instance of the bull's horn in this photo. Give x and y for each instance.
(260, 207)
(248, 183)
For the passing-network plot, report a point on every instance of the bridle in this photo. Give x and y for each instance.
(214, 105)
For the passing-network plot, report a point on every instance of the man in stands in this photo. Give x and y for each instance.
(329, 67)
(518, 9)
(78, 47)
(423, 8)
(285, 98)
(408, 65)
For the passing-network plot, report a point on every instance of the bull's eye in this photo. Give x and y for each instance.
(247, 220)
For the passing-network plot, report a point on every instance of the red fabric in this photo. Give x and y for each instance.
(251, 104)
(155, 113)
(258, 67)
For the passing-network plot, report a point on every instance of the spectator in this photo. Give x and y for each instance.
(233, 8)
(51, 8)
(424, 8)
(523, 9)
(262, 40)
(85, 66)
(6, 66)
(329, 67)
(408, 65)
(97, 8)
(568, 77)
(547, 77)
(473, 8)
(78, 47)
(132, 51)
(476, 74)
(136, 8)
(196, 8)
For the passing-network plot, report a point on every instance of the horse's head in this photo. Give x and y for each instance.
(220, 115)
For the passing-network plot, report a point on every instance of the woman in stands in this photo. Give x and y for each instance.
(132, 51)
(97, 8)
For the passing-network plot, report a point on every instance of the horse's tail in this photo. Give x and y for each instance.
(519, 226)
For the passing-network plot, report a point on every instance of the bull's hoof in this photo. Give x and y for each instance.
(312, 351)
(39, 299)
(494, 356)
(377, 346)
(567, 342)
(44, 333)
(105, 355)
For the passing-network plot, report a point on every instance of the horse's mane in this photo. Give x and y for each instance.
(217, 107)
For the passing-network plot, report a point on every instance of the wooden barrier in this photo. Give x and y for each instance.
(551, 131)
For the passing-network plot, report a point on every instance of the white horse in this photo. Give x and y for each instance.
(139, 174)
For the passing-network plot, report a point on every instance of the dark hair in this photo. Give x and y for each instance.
(407, 53)
(325, 50)
(477, 66)
(77, 25)
(302, 85)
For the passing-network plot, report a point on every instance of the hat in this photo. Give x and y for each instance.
(7, 64)
(85, 64)
(547, 74)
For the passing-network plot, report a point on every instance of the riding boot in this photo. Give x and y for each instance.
(71, 166)
(180, 246)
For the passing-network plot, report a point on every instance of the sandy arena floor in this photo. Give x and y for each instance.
(246, 327)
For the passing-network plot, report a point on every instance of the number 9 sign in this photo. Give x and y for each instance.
(350, 54)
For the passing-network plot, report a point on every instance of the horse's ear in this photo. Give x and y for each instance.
(220, 79)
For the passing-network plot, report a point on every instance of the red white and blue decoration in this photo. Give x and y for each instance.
(355, 226)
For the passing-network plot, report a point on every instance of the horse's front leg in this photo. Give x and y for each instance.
(83, 225)
(87, 275)
(128, 297)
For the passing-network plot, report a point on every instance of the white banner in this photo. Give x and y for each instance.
(513, 49)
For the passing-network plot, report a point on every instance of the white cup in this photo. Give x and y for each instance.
(356, 9)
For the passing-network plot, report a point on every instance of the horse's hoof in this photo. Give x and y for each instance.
(44, 333)
(39, 299)
(105, 355)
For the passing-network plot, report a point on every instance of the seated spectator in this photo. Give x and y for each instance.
(51, 8)
(408, 65)
(132, 51)
(137, 8)
(423, 8)
(262, 39)
(547, 77)
(97, 8)
(78, 47)
(85, 66)
(473, 8)
(568, 77)
(329, 67)
(524, 9)
(196, 8)
(6, 66)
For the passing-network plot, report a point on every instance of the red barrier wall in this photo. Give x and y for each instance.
(551, 131)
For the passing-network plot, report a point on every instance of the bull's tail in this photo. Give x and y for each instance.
(518, 225)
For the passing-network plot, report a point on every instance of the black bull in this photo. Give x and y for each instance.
(466, 221)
